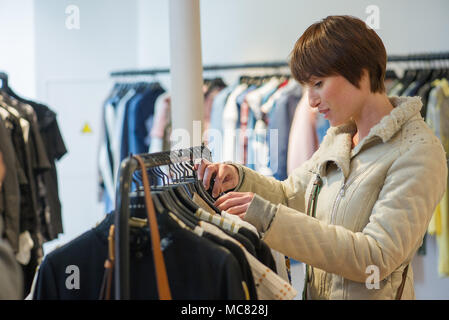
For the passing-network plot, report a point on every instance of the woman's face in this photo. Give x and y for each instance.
(336, 98)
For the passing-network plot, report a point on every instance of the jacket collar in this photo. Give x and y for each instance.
(336, 147)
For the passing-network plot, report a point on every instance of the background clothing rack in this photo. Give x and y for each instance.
(419, 57)
(275, 64)
(278, 64)
(127, 168)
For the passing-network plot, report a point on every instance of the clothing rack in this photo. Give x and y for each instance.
(419, 57)
(122, 215)
(278, 64)
(275, 64)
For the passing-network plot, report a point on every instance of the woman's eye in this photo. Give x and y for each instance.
(318, 84)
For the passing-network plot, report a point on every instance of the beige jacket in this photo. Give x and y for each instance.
(372, 212)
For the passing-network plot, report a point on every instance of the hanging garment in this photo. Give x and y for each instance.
(10, 274)
(140, 119)
(208, 271)
(268, 284)
(211, 91)
(243, 126)
(128, 114)
(229, 121)
(438, 120)
(215, 135)
(257, 143)
(249, 287)
(242, 234)
(32, 168)
(10, 196)
(56, 149)
(303, 141)
(281, 117)
(161, 121)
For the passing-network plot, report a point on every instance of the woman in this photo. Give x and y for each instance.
(357, 211)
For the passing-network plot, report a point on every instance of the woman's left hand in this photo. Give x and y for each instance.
(235, 202)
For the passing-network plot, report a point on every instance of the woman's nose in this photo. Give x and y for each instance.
(314, 99)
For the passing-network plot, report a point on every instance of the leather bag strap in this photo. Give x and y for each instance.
(163, 287)
(401, 287)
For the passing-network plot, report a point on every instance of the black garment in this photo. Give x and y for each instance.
(424, 93)
(27, 173)
(55, 150)
(196, 267)
(242, 239)
(10, 193)
(27, 201)
(263, 252)
(241, 259)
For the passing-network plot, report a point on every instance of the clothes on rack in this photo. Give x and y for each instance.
(31, 143)
(137, 119)
(203, 264)
(128, 113)
(207, 254)
(437, 117)
(256, 121)
(431, 86)
(10, 274)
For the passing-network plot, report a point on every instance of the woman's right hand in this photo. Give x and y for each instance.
(226, 176)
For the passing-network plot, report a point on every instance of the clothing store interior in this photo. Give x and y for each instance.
(93, 91)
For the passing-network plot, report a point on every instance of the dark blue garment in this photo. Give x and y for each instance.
(322, 125)
(124, 147)
(140, 113)
(281, 117)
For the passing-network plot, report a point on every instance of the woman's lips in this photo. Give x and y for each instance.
(325, 112)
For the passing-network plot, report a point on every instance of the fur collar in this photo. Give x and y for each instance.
(336, 146)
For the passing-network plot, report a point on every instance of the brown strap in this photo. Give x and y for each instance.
(163, 287)
(105, 293)
(401, 287)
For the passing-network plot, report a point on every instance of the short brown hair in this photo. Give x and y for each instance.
(340, 45)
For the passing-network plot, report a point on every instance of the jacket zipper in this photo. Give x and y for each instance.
(341, 194)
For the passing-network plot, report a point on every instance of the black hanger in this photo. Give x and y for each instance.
(158, 207)
(391, 75)
(407, 79)
(184, 185)
(187, 177)
(424, 75)
(7, 89)
(199, 188)
(171, 200)
(446, 74)
(176, 208)
(185, 198)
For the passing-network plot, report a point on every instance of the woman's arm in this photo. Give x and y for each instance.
(414, 185)
(289, 192)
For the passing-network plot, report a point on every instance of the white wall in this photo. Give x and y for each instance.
(17, 50)
(72, 77)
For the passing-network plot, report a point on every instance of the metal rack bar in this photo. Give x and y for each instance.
(278, 64)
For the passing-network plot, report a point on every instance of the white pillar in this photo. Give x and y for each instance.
(186, 73)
